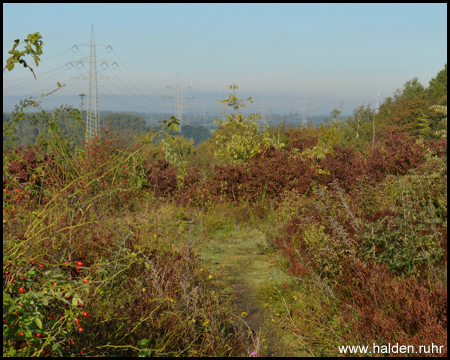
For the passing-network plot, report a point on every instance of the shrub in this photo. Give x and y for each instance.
(387, 310)
(162, 178)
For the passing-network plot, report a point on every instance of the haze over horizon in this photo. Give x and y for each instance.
(279, 54)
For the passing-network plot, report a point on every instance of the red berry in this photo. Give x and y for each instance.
(85, 314)
(51, 316)
(72, 341)
(80, 329)
(22, 290)
(41, 266)
(77, 321)
(85, 281)
(79, 263)
(38, 335)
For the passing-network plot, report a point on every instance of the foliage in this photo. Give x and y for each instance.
(238, 139)
(177, 151)
(437, 88)
(358, 130)
(327, 138)
(409, 109)
(33, 40)
(198, 134)
(441, 109)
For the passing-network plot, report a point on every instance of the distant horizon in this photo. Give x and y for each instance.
(53, 101)
(281, 55)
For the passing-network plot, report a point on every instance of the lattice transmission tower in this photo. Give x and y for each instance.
(178, 105)
(92, 117)
(304, 111)
(179, 102)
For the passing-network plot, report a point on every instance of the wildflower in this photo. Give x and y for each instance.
(244, 314)
(210, 277)
(254, 354)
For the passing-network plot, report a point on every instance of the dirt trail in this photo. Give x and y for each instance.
(237, 257)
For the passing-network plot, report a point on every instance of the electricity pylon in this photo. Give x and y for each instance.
(92, 117)
(304, 111)
(178, 105)
(178, 101)
(263, 119)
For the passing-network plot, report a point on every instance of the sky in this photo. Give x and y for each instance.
(285, 56)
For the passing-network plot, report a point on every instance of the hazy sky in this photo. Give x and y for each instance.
(276, 53)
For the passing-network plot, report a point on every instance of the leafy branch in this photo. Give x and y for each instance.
(33, 47)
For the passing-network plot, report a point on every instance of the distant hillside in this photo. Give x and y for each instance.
(130, 125)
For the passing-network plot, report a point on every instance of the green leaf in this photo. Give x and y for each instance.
(10, 66)
(147, 266)
(143, 343)
(38, 322)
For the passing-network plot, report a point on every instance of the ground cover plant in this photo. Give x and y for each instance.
(289, 241)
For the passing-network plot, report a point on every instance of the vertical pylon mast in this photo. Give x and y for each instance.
(178, 105)
(304, 111)
(92, 126)
(92, 116)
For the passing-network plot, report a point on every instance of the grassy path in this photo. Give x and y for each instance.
(238, 258)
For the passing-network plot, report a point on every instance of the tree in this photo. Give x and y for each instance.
(237, 139)
(412, 87)
(437, 89)
(408, 111)
(443, 110)
(359, 128)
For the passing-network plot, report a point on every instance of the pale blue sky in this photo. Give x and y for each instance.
(276, 53)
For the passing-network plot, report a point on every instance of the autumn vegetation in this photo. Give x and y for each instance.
(101, 241)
